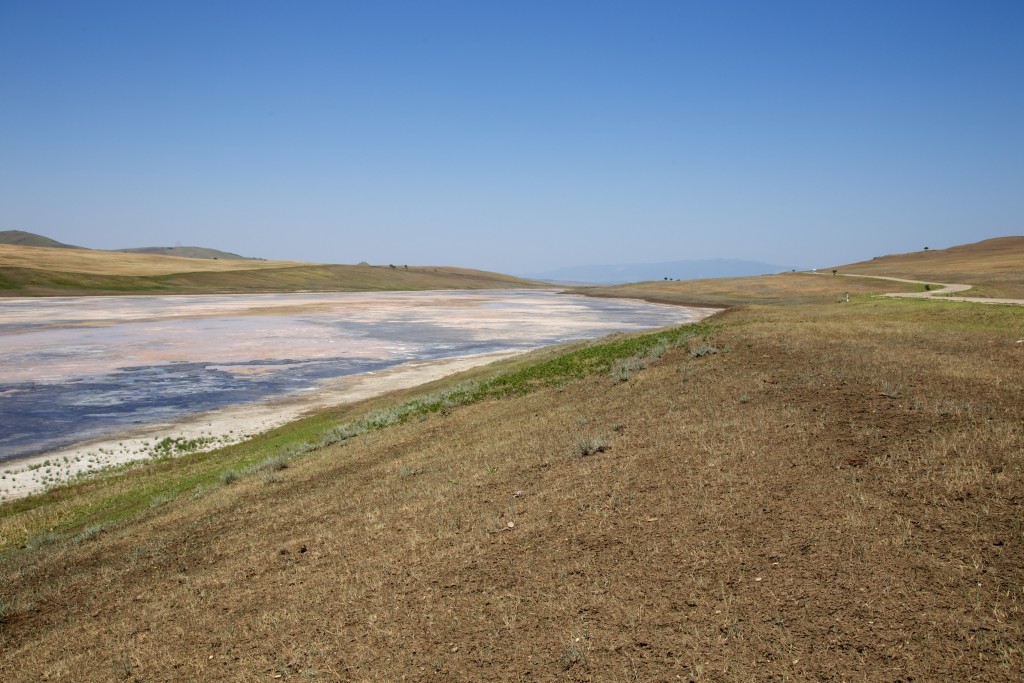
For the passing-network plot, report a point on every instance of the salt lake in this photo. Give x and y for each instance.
(78, 370)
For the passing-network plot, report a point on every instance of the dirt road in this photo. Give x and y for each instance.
(940, 294)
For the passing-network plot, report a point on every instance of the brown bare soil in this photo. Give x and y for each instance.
(810, 492)
(993, 266)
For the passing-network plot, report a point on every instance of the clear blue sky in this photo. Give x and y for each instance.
(514, 135)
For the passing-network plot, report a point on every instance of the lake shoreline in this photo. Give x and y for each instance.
(221, 427)
(99, 387)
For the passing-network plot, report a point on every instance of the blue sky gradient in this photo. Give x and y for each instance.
(514, 136)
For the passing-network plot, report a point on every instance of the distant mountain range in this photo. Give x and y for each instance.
(643, 272)
(30, 239)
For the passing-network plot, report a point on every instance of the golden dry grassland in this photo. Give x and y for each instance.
(40, 271)
(119, 263)
(784, 288)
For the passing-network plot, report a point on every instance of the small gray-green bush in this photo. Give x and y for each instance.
(89, 532)
(41, 540)
(274, 463)
(891, 390)
(589, 446)
(657, 352)
(702, 350)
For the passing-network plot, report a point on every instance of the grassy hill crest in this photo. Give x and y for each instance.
(187, 252)
(993, 266)
(30, 239)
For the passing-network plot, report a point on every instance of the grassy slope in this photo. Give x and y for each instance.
(27, 271)
(994, 266)
(786, 288)
(834, 493)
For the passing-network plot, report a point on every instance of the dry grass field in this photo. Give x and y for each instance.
(38, 271)
(993, 266)
(798, 492)
(784, 288)
(118, 263)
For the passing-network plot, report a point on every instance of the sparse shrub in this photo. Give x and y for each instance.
(589, 446)
(702, 350)
(172, 446)
(621, 372)
(278, 462)
(90, 532)
(624, 368)
(890, 390)
(617, 427)
(162, 499)
(684, 337)
(574, 654)
(230, 477)
(405, 471)
(383, 418)
(41, 540)
(656, 352)
(341, 434)
(744, 398)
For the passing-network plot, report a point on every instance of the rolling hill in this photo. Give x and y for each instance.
(187, 252)
(38, 271)
(22, 238)
(30, 239)
(994, 266)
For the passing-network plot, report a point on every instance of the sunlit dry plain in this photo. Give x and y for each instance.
(783, 288)
(794, 491)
